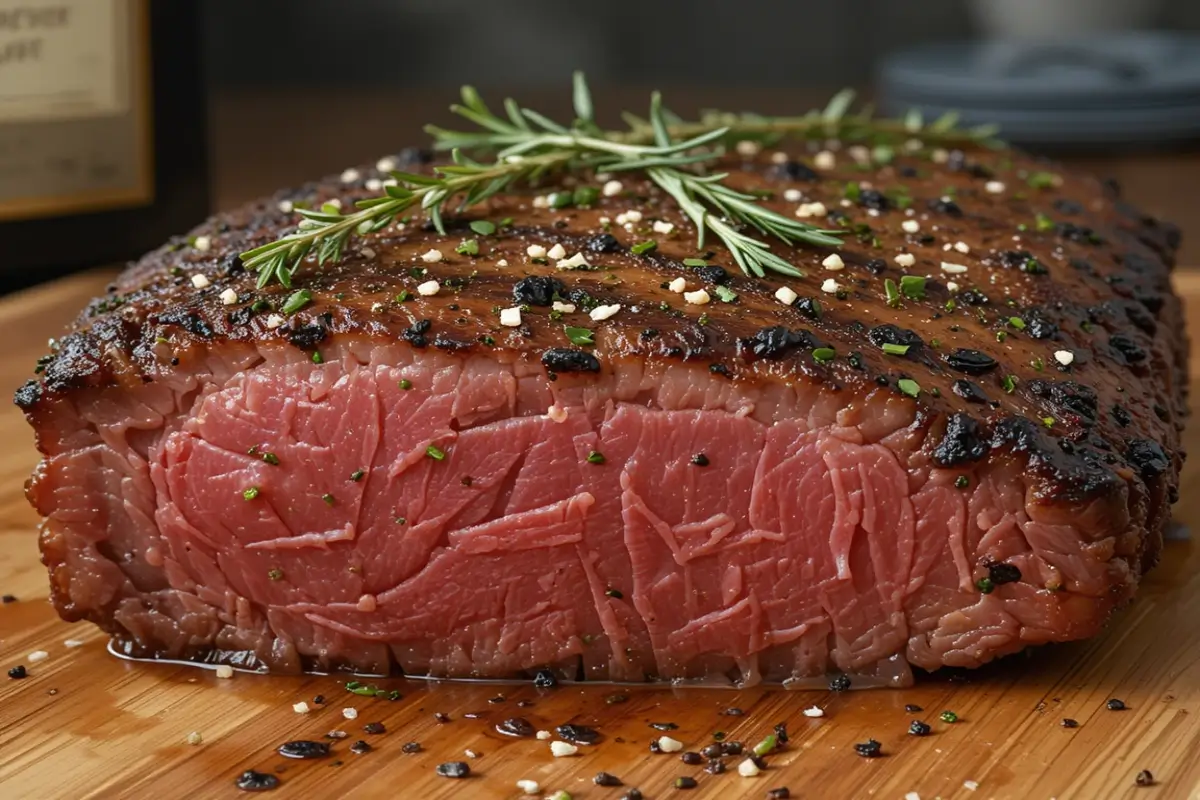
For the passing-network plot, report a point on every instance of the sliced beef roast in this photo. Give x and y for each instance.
(959, 440)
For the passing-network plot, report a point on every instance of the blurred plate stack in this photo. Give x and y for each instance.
(1093, 91)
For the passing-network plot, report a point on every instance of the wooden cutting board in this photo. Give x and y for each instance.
(85, 724)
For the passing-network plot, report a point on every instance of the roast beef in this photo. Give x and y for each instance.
(856, 475)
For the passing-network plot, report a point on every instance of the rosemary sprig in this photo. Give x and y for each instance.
(526, 145)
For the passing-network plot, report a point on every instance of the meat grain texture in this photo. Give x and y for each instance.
(393, 482)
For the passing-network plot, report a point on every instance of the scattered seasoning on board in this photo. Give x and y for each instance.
(839, 683)
(1144, 778)
(606, 779)
(632, 794)
(1116, 705)
(912, 708)
(948, 716)
(515, 726)
(8, 598)
(18, 672)
(664, 726)
(453, 769)
(360, 747)
(251, 781)
(869, 749)
(782, 793)
(578, 734)
(374, 727)
(691, 758)
(919, 728)
(441, 718)
(700, 460)
(732, 712)
(1067, 722)
(410, 748)
(304, 749)
(616, 699)
(545, 679)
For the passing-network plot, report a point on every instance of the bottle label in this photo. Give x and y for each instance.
(74, 107)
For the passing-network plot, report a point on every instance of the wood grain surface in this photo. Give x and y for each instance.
(85, 724)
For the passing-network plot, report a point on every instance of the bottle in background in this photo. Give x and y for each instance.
(102, 132)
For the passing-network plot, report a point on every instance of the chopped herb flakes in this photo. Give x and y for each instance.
(986, 586)
(895, 349)
(299, 299)
(1043, 223)
(949, 716)
(962, 482)
(641, 248)
(271, 459)
(357, 475)
(1009, 384)
(251, 493)
(909, 387)
(823, 355)
(595, 457)
(405, 384)
(275, 574)
(579, 336)
(483, 227)
(468, 247)
(913, 287)
(893, 294)
(726, 294)
(695, 262)
(1017, 323)
(435, 452)
(328, 498)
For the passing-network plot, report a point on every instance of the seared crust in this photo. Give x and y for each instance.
(1062, 268)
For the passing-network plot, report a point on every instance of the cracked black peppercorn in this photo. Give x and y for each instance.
(453, 769)
(1144, 778)
(1116, 705)
(374, 727)
(691, 758)
(685, 782)
(304, 749)
(606, 779)
(715, 767)
(545, 679)
(839, 683)
(18, 672)
(918, 728)
(869, 749)
(782, 793)
(360, 747)
(1070, 723)
(912, 708)
(411, 747)
(251, 781)
(632, 794)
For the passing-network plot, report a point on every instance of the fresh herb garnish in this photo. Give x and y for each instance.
(1043, 180)
(823, 355)
(468, 247)
(641, 248)
(1043, 223)
(357, 475)
(1009, 383)
(895, 349)
(893, 294)
(912, 287)
(297, 301)
(1017, 323)
(695, 262)
(251, 493)
(435, 452)
(579, 336)
(271, 459)
(595, 457)
(526, 145)
(909, 387)
(726, 295)
(482, 227)
(405, 384)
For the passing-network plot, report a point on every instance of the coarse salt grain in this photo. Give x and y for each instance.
(906, 259)
(429, 288)
(543, 735)
(535, 251)
(502, 262)
(334, 203)
(833, 261)
(431, 256)
(697, 298)
(560, 749)
(541, 201)
(669, 745)
(779, 157)
(201, 282)
(604, 312)
(962, 247)
(605, 221)
(274, 321)
(286, 206)
(748, 769)
(994, 187)
(811, 210)
(529, 787)
(229, 297)
(556, 413)
(194, 738)
(224, 671)
(576, 261)
(830, 286)
(301, 707)
(612, 188)
(36, 656)
(73, 643)
(373, 185)
(748, 148)
(951, 286)
(1064, 357)
(376, 308)
(350, 176)
(557, 252)
(469, 753)
(940, 155)
(970, 786)
(350, 713)
(202, 243)
(565, 308)
(786, 295)
(386, 164)
(953, 269)
(910, 226)
(860, 154)
(824, 160)
(793, 195)
(814, 712)
(661, 226)
(912, 796)
(367, 252)
(511, 317)
(679, 285)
